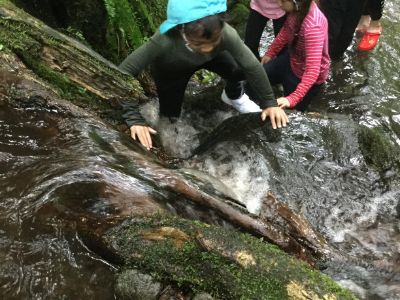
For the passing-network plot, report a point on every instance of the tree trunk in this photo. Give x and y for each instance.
(76, 71)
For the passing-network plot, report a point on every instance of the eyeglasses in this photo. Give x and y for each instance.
(295, 4)
(187, 43)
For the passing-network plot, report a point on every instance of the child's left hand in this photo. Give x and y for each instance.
(283, 102)
(277, 116)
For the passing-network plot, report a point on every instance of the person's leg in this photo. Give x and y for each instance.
(335, 14)
(226, 67)
(171, 91)
(375, 11)
(365, 18)
(275, 70)
(343, 17)
(311, 94)
(254, 29)
(277, 67)
(374, 30)
(290, 83)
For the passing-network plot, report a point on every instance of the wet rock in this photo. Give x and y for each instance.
(236, 128)
(378, 149)
(133, 285)
(203, 296)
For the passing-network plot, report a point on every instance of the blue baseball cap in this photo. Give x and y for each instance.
(185, 11)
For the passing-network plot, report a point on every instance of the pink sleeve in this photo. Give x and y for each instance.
(282, 39)
(314, 43)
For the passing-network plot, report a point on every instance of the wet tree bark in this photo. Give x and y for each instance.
(78, 72)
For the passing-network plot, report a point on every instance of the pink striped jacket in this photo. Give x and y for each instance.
(309, 60)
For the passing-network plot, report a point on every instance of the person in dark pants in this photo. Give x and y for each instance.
(261, 11)
(370, 25)
(343, 17)
(279, 71)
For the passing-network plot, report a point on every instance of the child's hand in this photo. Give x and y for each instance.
(143, 134)
(265, 59)
(283, 102)
(277, 116)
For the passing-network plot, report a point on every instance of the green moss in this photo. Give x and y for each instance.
(238, 14)
(378, 149)
(13, 36)
(17, 38)
(68, 89)
(27, 42)
(265, 272)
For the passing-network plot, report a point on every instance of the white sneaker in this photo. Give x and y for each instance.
(242, 105)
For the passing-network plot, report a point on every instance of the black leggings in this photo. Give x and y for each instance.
(279, 71)
(255, 27)
(374, 9)
(343, 17)
(171, 85)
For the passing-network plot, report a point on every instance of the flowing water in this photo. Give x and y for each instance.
(55, 167)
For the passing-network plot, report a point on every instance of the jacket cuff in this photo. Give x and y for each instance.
(268, 103)
(131, 113)
(292, 101)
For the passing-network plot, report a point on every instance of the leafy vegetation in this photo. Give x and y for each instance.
(130, 23)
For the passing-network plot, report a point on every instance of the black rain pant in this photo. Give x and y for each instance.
(171, 85)
(254, 28)
(374, 9)
(343, 17)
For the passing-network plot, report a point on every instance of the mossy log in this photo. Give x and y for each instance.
(226, 264)
(77, 72)
(112, 27)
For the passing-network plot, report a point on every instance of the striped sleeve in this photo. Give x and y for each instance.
(282, 39)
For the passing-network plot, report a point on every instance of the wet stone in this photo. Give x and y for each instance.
(131, 284)
(203, 296)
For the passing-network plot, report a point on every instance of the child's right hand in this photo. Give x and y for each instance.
(265, 59)
(143, 134)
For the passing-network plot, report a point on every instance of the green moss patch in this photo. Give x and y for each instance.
(225, 263)
(378, 149)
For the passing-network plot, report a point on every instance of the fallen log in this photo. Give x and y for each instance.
(76, 71)
(223, 263)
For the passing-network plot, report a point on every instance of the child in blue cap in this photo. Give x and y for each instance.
(194, 37)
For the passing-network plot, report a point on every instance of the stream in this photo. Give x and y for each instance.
(54, 165)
